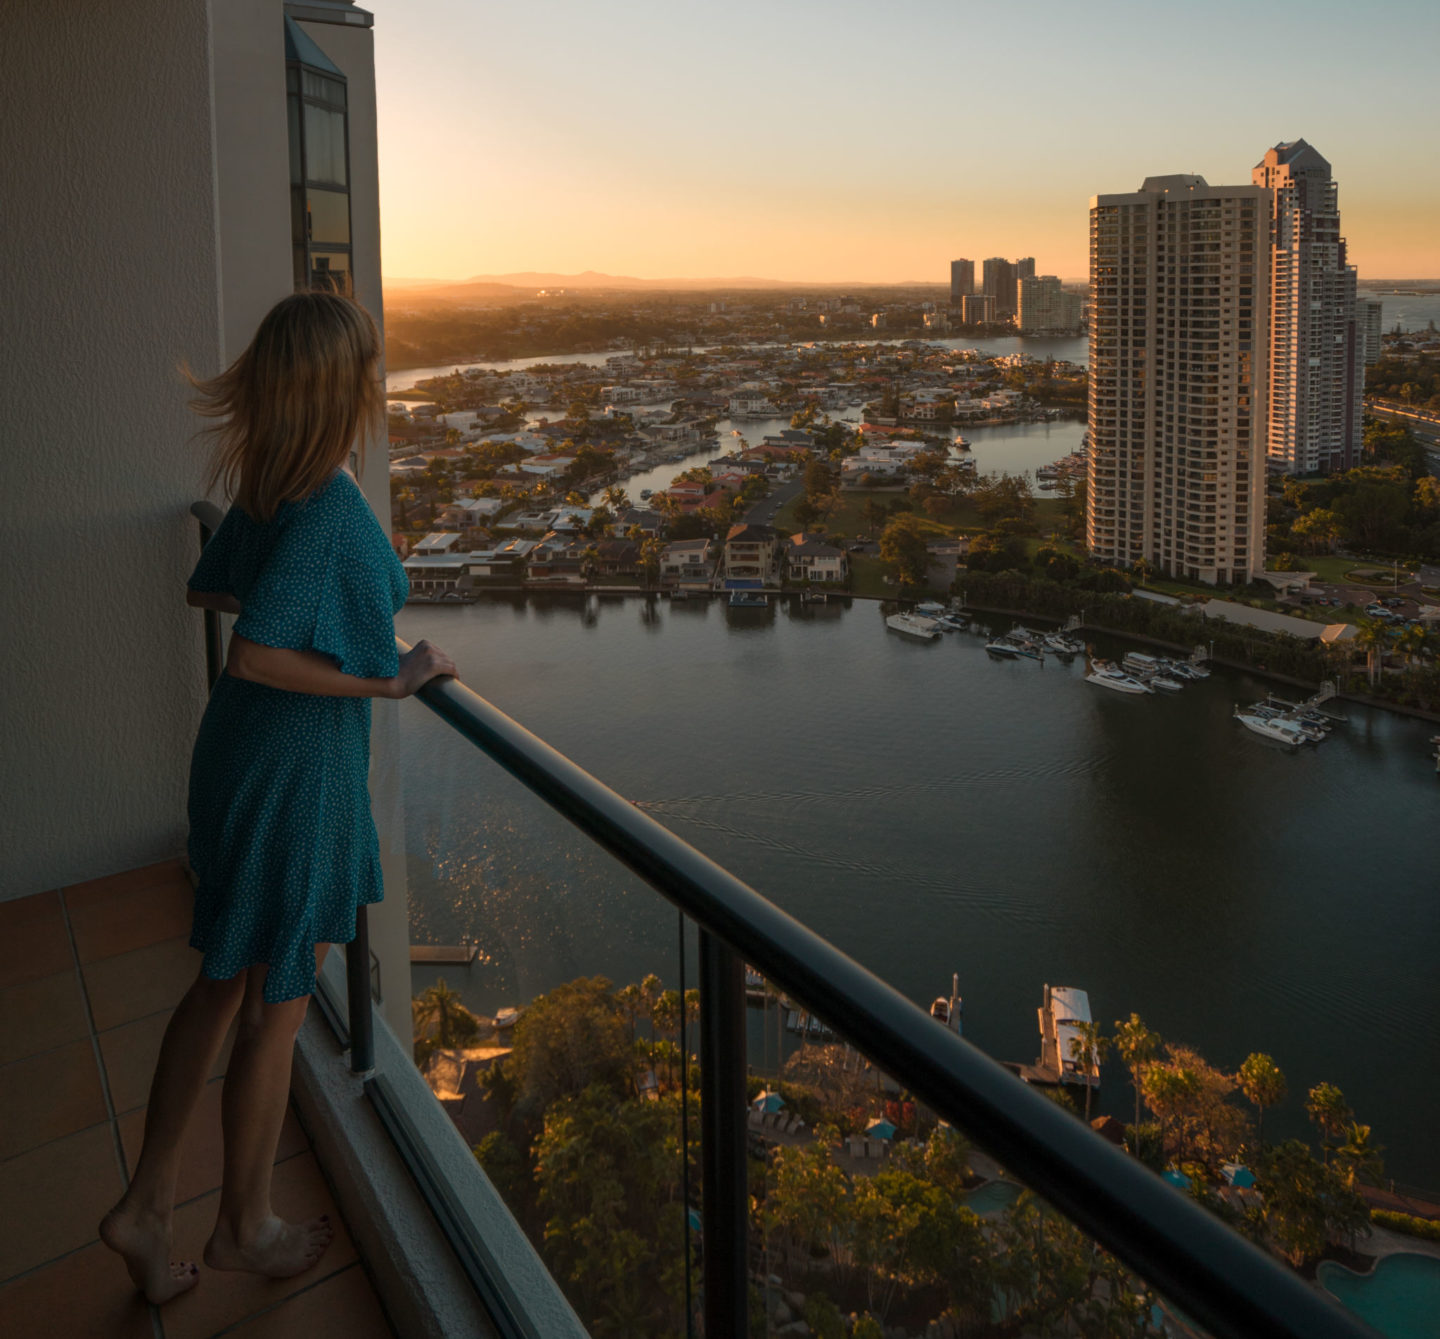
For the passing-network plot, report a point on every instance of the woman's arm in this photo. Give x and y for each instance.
(217, 600)
(310, 672)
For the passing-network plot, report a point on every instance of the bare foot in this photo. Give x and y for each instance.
(277, 1249)
(142, 1240)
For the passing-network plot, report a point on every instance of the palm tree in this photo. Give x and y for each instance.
(1373, 638)
(1088, 1047)
(1413, 641)
(1359, 1156)
(1137, 1047)
(440, 1009)
(1263, 1083)
(616, 498)
(1325, 1105)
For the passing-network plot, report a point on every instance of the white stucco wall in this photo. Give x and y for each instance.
(108, 275)
(144, 224)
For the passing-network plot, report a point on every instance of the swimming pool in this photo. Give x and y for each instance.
(992, 1197)
(1400, 1297)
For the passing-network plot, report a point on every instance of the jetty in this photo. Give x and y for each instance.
(444, 955)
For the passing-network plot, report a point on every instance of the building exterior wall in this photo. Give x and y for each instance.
(1041, 303)
(1179, 281)
(145, 225)
(1368, 318)
(1316, 353)
(962, 280)
(109, 270)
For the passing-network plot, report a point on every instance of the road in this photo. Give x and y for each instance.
(763, 512)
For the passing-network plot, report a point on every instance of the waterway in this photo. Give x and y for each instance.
(932, 811)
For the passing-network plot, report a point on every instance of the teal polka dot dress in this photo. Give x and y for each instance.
(281, 838)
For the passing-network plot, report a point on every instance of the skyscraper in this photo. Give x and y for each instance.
(1367, 323)
(1042, 304)
(1316, 354)
(998, 276)
(1179, 273)
(962, 280)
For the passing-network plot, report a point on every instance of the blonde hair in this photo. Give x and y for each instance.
(291, 406)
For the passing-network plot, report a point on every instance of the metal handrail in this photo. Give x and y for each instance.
(1220, 1279)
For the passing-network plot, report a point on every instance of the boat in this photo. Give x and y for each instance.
(814, 597)
(1180, 669)
(1313, 733)
(749, 599)
(646, 493)
(1166, 682)
(1140, 665)
(1026, 643)
(1269, 727)
(508, 1017)
(961, 444)
(931, 609)
(1000, 647)
(947, 1011)
(1062, 645)
(914, 625)
(1109, 675)
(1063, 1009)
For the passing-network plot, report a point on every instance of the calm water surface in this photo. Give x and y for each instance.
(932, 812)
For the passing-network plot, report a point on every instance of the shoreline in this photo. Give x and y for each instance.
(1274, 676)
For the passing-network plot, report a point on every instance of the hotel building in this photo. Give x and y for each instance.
(1179, 273)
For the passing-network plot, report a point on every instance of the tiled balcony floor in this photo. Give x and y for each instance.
(88, 978)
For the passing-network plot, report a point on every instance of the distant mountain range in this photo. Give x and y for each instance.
(487, 285)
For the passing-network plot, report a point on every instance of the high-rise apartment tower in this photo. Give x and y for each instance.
(1179, 273)
(1316, 353)
(962, 280)
(998, 276)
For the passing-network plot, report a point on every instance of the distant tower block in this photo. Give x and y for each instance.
(962, 280)
(1179, 277)
(1316, 352)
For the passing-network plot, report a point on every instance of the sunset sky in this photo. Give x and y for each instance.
(847, 141)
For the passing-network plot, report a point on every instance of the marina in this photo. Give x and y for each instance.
(933, 810)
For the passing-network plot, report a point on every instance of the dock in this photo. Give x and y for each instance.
(446, 955)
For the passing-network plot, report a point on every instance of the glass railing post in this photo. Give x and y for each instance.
(724, 1192)
(357, 981)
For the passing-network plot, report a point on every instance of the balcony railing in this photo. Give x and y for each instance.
(1219, 1279)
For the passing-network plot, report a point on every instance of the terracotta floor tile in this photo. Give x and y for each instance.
(201, 1159)
(343, 1307)
(47, 1096)
(87, 1295)
(33, 939)
(81, 894)
(226, 1298)
(130, 1052)
(119, 922)
(64, 1187)
(144, 981)
(37, 1015)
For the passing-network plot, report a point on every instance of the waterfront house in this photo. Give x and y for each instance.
(751, 554)
(808, 557)
(468, 512)
(438, 572)
(617, 557)
(437, 544)
(687, 562)
(650, 522)
(752, 404)
(556, 561)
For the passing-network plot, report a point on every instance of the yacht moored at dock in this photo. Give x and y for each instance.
(914, 625)
(948, 1011)
(1109, 675)
(1064, 1007)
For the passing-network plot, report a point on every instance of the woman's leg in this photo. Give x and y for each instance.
(139, 1226)
(248, 1234)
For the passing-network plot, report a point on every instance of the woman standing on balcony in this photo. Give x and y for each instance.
(281, 839)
